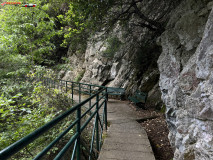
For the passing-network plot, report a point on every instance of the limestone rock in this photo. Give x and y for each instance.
(186, 69)
(109, 59)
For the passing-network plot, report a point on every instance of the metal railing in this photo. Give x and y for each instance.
(65, 86)
(100, 121)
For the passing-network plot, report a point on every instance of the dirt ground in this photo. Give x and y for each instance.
(157, 131)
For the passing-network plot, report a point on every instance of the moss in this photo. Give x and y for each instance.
(163, 109)
(189, 155)
(104, 136)
(79, 76)
(113, 46)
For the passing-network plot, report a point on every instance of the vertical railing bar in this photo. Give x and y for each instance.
(92, 140)
(90, 99)
(79, 92)
(102, 127)
(100, 121)
(100, 143)
(74, 150)
(105, 108)
(97, 128)
(79, 133)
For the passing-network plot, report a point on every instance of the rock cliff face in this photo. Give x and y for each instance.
(185, 66)
(126, 57)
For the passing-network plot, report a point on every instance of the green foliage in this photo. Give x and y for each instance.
(74, 20)
(163, 109)
(27, 31)
(79, 19)
(113, 45)
(36, 33)
(12, 65)
(25, 107)
(41, 71)
(79, 76)
(65, 66)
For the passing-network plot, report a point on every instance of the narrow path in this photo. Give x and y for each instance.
(125, 139)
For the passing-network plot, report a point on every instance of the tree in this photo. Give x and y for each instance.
(123, 10)
(27, 31)
(78, 19)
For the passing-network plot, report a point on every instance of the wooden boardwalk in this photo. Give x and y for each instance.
(126, 139)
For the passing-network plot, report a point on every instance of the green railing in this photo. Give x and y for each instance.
(73, 87)
(98, 93)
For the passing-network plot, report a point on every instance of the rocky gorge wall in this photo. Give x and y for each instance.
(186, 79)
(175, 67)
(119, 58)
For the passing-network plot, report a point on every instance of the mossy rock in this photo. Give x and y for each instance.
(189, 155)
(113, 45)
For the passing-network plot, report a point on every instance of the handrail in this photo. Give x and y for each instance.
(100, 95)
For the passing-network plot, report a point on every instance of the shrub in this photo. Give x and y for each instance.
(25, 107)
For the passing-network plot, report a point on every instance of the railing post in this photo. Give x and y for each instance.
(79, 133)
(105, 109)
(96, 126)
(79, 92)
